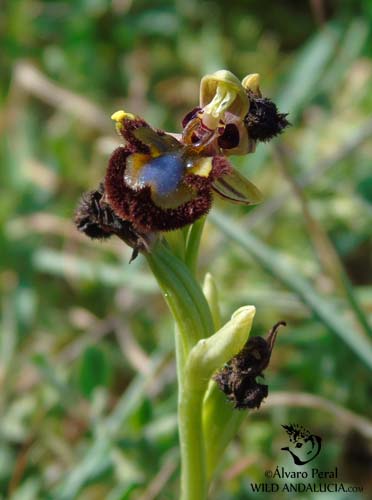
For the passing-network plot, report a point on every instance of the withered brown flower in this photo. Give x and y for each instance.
(96, 219)
(238, 378)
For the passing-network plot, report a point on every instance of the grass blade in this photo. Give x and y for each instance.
(274, 264)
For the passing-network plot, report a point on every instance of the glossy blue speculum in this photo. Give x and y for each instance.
(163, 173)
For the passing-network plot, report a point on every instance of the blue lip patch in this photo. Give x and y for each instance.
(163, 174)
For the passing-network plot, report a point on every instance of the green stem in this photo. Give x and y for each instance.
(193, 319)
(176, 241)
(193, 243)
(199, 353)
(193, 474)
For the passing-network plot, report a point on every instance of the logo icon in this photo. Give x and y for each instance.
(304, 446)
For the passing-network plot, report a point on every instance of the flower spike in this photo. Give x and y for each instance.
(156, 182)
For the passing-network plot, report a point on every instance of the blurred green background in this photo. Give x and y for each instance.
(87, 374)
